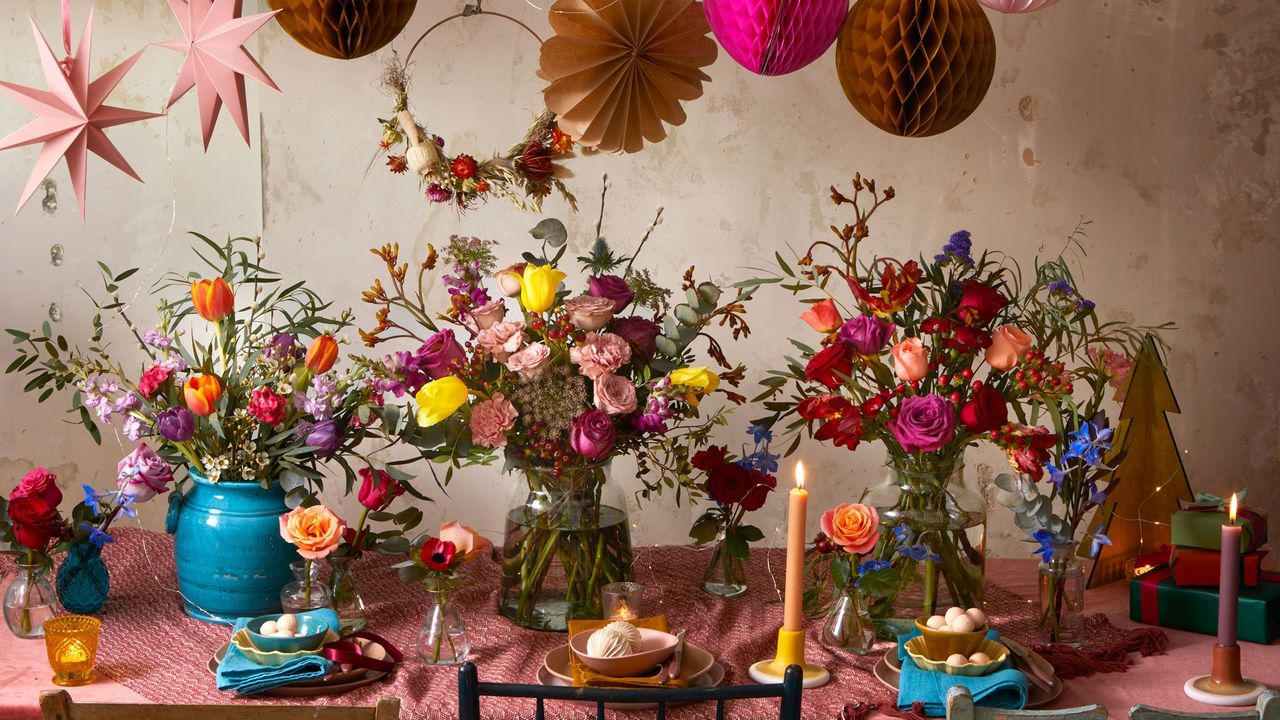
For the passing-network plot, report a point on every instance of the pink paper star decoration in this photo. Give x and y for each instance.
(70, 115)
(216, 64)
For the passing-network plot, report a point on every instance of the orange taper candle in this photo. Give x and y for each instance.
(793, 599)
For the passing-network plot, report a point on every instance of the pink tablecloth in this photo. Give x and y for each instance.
(150, 652)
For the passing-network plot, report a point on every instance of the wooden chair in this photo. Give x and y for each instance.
(960, 707)
(470, 690)
(57, 705)
(1268, 708)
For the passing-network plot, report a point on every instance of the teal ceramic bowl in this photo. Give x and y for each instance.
(311, 634)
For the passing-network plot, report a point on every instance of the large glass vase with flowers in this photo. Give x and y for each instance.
(932, 356)
(558, 388)
(227, 391)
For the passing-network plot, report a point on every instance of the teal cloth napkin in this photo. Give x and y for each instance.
(1003, 689)
(246, 677)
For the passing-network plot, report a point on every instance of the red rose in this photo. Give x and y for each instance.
(759, 485)
(39, 483)
(34, 521)
(822, 407)
(711, 458)
(979, 304)
(985, 412)
(378, 490)
(728, 484)
(152, 379)
(830, 365)
(843, 431)
(437, 554)
(968, 340)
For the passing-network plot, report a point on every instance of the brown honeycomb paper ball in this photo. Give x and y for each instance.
(916, 67)
(343, 29)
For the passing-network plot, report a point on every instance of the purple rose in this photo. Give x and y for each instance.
(440, 353)
(283, 347)
(639, 332)
(323, 436)
(925, 423)
(176, 424)
(866, 334)
(611, 287)
(142, 474)
(593, 435)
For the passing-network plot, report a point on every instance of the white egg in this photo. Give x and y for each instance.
(953, 613)
(375, 651)
(937, 622)
(957, 659)
(979, 658)
(282, 634)
(287, 622)
(962, 623)
(268, 628)
(979, 617)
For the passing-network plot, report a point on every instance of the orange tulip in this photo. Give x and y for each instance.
(213, 299)
(202, 393)
(322, 354)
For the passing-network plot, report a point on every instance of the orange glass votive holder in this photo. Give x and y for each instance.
(72, 644)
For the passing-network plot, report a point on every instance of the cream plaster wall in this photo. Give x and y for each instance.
(1152, 118)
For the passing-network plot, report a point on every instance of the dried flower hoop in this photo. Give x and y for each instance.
(525, 174)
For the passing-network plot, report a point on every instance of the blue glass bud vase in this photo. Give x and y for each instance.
(83, 582)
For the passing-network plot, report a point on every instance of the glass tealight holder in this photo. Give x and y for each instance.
(622, 601)
(72, 644)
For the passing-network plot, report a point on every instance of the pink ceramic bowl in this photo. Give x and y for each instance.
(655, 647)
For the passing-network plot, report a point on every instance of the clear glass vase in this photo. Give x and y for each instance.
(1062, 583)
(566, 537)
(848, 625)
(933, 531)
(443, 638)
(308, 591)
(30, 599)
(346, 594)
(726, 574)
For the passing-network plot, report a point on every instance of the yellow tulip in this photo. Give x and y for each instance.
(700, 379)
(538, 287)
(439, 399)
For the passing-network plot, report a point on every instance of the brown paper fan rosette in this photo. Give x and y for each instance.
(343, 29)
(916, 67)
(619, 69)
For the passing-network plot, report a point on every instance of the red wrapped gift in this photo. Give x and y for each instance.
(1193, 567)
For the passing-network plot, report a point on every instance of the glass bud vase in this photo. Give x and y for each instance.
(933, 531)
(726, 574)
(346, 595)
(1062, 583)
(848, 625)
(308, 591)
(566, 537)
(443, 638)
(30, 600)
(83, 582)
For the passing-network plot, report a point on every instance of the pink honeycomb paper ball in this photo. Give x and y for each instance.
(775, 37)
(1017, 6)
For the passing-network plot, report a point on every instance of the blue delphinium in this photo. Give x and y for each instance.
(1047, 541)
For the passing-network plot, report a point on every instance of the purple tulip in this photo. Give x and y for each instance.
(323, 436)
(866, 334)
(284, 346)
(611, 287)
(176, 424)
(593, 435)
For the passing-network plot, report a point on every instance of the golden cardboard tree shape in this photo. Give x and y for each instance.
(343, 29)
(1150, 479)
(916, 67)
(619, 69)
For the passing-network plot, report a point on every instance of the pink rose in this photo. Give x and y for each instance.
(910, 360)
(509, 279)
(142, 474)
(1008, 343)
(588, 312)
(600, 354)
(530, 362)
(502, 339)
(491, 420)
(615, 395)
(489, 314)
(38, 483)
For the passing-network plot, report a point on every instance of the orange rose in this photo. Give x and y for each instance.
(1008, 343)
(853, 526)
(201, 393)
(910, 360)
(213, 299)
(469, 543)
(322, 354)
(823, 316)
(314, 530)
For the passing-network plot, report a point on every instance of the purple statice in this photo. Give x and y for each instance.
(958, 247)
(1062, 288)
(157, 339)
(133, 428)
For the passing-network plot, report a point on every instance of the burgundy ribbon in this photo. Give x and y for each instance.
(348, 652)
(1257, 523)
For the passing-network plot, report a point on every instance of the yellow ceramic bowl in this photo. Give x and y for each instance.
(942, 644)
(997, 652)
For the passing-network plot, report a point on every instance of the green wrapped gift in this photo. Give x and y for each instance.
(1155, 599)
(1202, 529)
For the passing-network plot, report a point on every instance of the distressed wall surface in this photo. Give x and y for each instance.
(1151, 118)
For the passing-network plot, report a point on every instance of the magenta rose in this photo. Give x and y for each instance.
(611, 287)
(866, 334)
(143, 474)
(439, 353)
(378, 489)
(39, 483)
(924, 423)
(640, 333)
(593, 435)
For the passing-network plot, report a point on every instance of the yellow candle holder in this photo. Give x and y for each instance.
(790, 652)
(72, 644)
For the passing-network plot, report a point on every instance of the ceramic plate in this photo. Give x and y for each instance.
(334, 683)
(713, 676)
(699, 661)
(887, 671)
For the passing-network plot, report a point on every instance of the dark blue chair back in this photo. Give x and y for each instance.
(470, 690)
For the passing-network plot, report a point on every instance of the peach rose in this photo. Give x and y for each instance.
(588, 312)
(493, 312)
(910, 360)
(314, 530)
(509, 279)
(466, 541)
(531, 361)
(614, 394)
(1008, 343)
(853, 526)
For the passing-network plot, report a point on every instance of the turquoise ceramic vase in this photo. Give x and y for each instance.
(83, 582)
(231, 559)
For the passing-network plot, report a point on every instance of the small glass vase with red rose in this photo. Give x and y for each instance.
(737, 487)
(437, 562)
(31, 529)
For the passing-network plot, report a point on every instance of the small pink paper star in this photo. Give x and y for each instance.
(216, 64)
(70, 115)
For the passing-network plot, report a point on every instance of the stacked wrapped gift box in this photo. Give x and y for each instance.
(1178, 587)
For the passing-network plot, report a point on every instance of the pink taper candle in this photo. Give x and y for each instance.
(1229, 579)
(793, 598)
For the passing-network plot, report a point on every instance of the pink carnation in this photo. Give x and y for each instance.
(600, 354)
(531, 361)
(502, 339)
(491, 420)
(266, 406)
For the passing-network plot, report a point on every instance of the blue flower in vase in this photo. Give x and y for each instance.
(1046, 540)
(760, 434)
(97, 536)
(91, 499)
(1098, 541)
